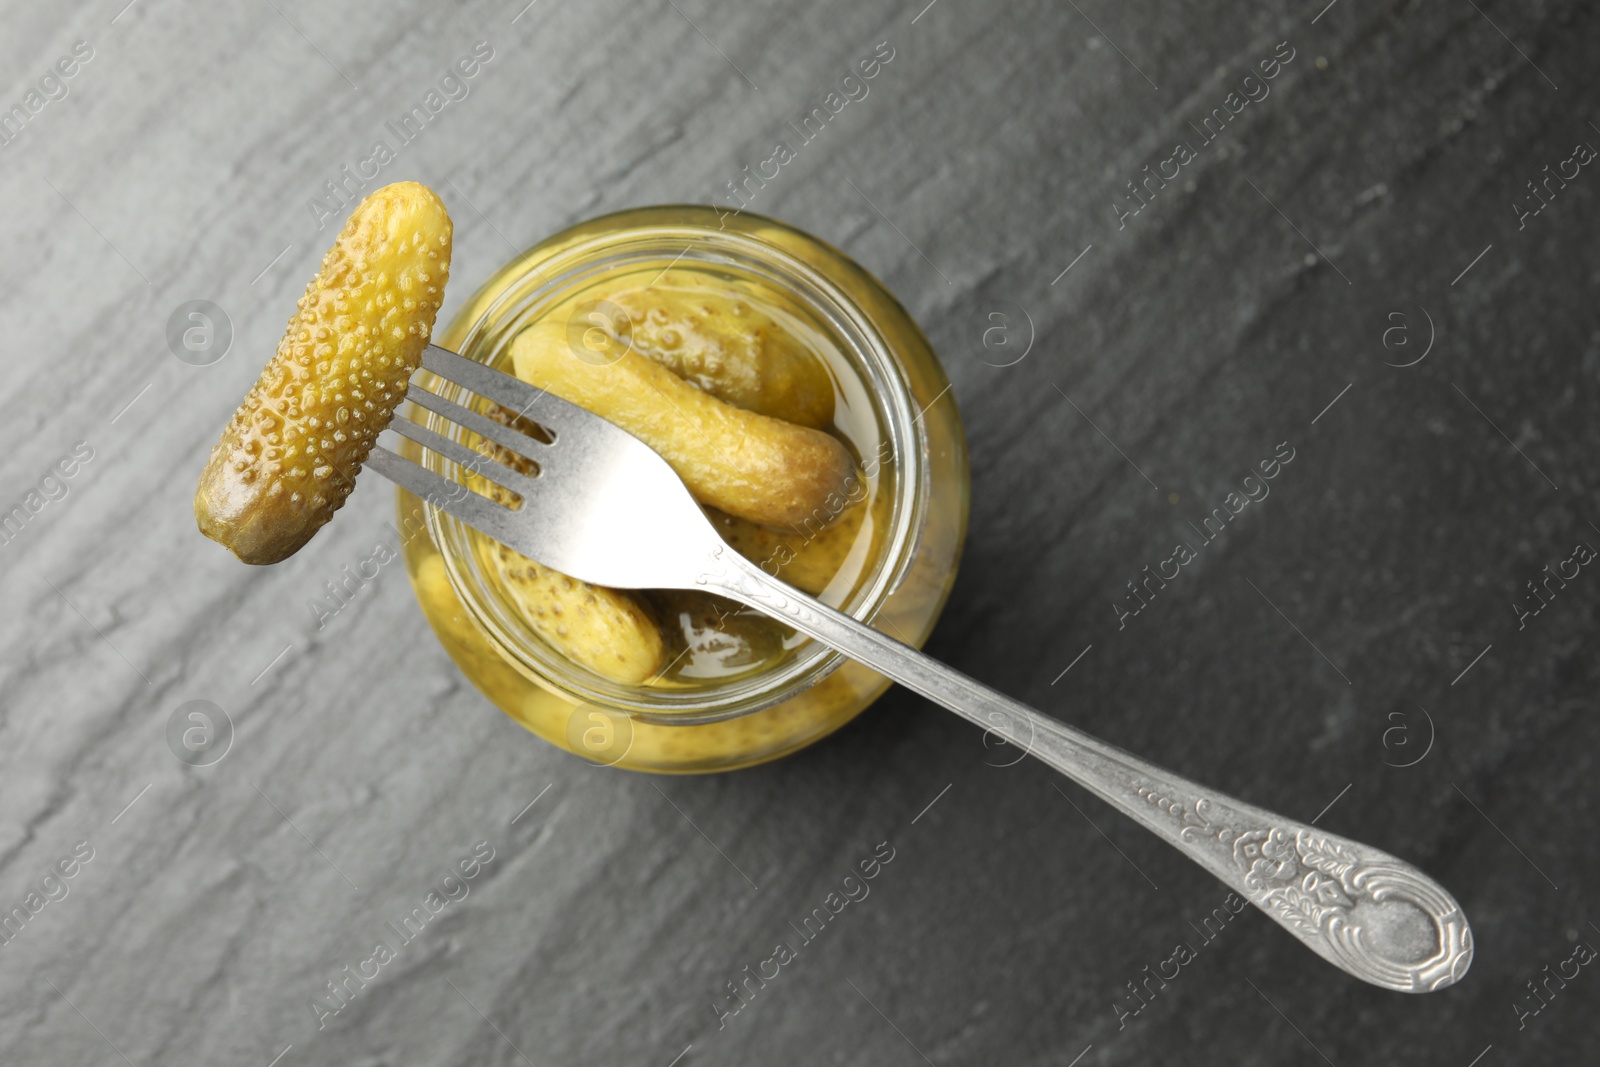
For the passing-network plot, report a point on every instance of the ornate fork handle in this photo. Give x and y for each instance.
(1363, 910)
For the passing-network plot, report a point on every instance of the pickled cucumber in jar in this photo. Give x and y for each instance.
(726, 346)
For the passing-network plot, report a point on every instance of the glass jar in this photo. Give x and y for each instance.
(887, 375)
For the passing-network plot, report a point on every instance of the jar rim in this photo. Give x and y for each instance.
(696, 235)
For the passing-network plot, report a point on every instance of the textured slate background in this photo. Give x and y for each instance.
(1291, 664)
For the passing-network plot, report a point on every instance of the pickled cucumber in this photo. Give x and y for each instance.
(289, 457)
(602, 629)
(727, 347)
(767, 470)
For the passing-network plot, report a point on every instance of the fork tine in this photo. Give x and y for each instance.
(503, 389)
(501, 434)
(453, 498)
(476, 462)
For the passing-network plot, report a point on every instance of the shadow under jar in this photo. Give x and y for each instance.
(735, 688)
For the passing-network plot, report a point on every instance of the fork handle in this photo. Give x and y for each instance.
(1364, 911)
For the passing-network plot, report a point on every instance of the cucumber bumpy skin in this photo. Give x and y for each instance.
(290, 455)
(729, 348)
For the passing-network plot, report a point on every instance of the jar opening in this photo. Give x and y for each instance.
(875, 390)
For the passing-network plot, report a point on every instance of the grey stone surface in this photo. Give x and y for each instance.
(1358, 617)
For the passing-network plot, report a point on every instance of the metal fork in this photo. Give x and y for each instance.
(603, 507)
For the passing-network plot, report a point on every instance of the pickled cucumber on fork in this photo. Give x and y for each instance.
(289, 457)
(760, 468)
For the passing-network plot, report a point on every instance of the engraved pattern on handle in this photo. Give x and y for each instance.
(1320, 885)
(1375, 916)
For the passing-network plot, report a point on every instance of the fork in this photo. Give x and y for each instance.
(601, 506)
